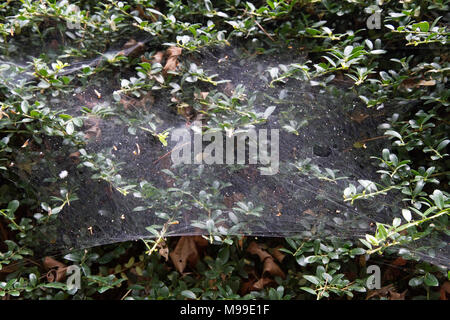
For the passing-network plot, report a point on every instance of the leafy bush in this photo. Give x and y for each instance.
(402, 64)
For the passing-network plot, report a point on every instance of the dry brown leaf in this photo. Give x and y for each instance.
(399, 262)
(412, 83)
(231, 200)
(172, 59)
(229, 89)
(158, 57)
(255, 248)
(144, 59)
(445, 290)
(272, 268)
(309, 212)
(3, 114)
(186, 111)
(174, 52)
(93, 125)
(171, 65)
(262, 283)
(201, 96)
(426, 83)
(132, 48)
(9, 268)
(51, 263)
(26, 143)
(164, 250)
(144, 15)
(75, 155)
(278, 254)
(200, 242)
(246, 287)
(184, 253)
(56, 275)
(393, 295)
(241, 243)
(212, 284)
(408, 83)
(359, 117)
(57, 270)
(382, 292)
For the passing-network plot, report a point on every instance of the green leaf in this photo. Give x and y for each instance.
(386, 154)
(188, 294)
(14, 293)
(430, 280)
(396, 222)
(210, 225)
(70, 127)
(424, 26)
(103, 289)
(393, 134)
(224, 254)
(406, 214)
(372, 240)
(442, 145)
(366, 243)
(414, 282)
(312, 279)
(24, 106)
(72, 257)
(357, 288)
(309, 290)
(312, 31)
(54, 285)
(12, 206)
(116, 96)
(78, 122)
(357, 251)
(43, 84)
(438, 198)
(88, 164)
(381, 232)
(33, 279)
(269, 111)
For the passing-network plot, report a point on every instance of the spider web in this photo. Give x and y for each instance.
(325, 141)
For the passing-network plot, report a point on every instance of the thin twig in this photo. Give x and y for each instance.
(125, 295)
(265, 32)
(165, 155)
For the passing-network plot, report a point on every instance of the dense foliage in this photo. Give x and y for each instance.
(402, 65)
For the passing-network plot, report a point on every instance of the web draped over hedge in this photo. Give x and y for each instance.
(105, 174)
